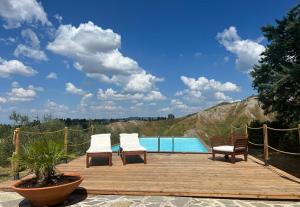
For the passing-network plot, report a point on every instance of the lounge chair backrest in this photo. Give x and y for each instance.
(240, 143)
(129, 139)
(217, 140)
(100, 140)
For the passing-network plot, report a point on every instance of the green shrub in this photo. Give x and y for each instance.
(41, 157)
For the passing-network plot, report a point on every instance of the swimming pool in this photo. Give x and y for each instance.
(170, 144)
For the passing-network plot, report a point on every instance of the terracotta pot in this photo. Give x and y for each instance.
(48, 196)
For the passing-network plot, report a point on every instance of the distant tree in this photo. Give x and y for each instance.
(277, 76)
(19, 119)
(68, 122)
(171, 116)
(47, 117)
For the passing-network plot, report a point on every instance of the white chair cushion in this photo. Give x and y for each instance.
(100, 143)
(129, 139)
(101, 140)
(95, 149)
(224, 148)
(133, 148)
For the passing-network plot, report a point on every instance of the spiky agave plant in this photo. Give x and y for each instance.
(41, 157)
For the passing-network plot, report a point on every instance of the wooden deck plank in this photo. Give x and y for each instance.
(185, 175)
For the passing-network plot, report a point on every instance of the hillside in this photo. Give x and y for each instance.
(212, 121)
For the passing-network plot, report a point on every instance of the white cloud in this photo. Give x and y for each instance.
(221, 96)
(9, 40)
(36, 88)
(111, 94)
(141, 82)
(58, 17)
(66, 64)
(226, 59)
(15, 84)
(154, 96)
(15, 67)
(3, 100)
(139, 104)
(33, 50)
(202, 83)
(165, 109)
(95, 52)
(16, 12)
(51, 75)
(177, 104)
(85, 98)
(201, 93)
(107, 106)
(52, 106)
(22, 94)
(23, 50)
(71, 88)
(30, 37)
(247, 51)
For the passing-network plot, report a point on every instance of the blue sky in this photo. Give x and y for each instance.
(103, 59)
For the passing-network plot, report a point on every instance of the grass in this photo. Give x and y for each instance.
(5, 174)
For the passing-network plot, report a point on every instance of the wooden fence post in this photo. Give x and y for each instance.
(246, 131)
(66, 140)
(92, 130)
(299, 132)
(266, 149)
(17, 151)
(299, 135)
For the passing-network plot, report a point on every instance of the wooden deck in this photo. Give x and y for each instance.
(185, 175)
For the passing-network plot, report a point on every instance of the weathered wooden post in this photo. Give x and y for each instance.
(266, 149)
(16, 153)
(246, 131)
(66, 142)
(299, 134)
(92, 130)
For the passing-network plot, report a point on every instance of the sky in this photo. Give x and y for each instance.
(109, 59)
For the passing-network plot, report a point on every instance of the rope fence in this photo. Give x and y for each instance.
(254, 127)
(284, 152)
(255, 144)
(282, 130)
(76, 140)
(67, 136)
(265, 137)
(41, 133)
(78, 144)
(79, 130)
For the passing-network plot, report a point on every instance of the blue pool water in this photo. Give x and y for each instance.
(181, 144)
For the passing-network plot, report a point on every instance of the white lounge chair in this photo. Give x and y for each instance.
(100, 147)
(130, 145)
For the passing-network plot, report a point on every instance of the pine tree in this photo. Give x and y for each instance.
(277, 76)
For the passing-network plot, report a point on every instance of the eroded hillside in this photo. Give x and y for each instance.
(213, 121)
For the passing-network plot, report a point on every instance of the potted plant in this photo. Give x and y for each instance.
(47, 186)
